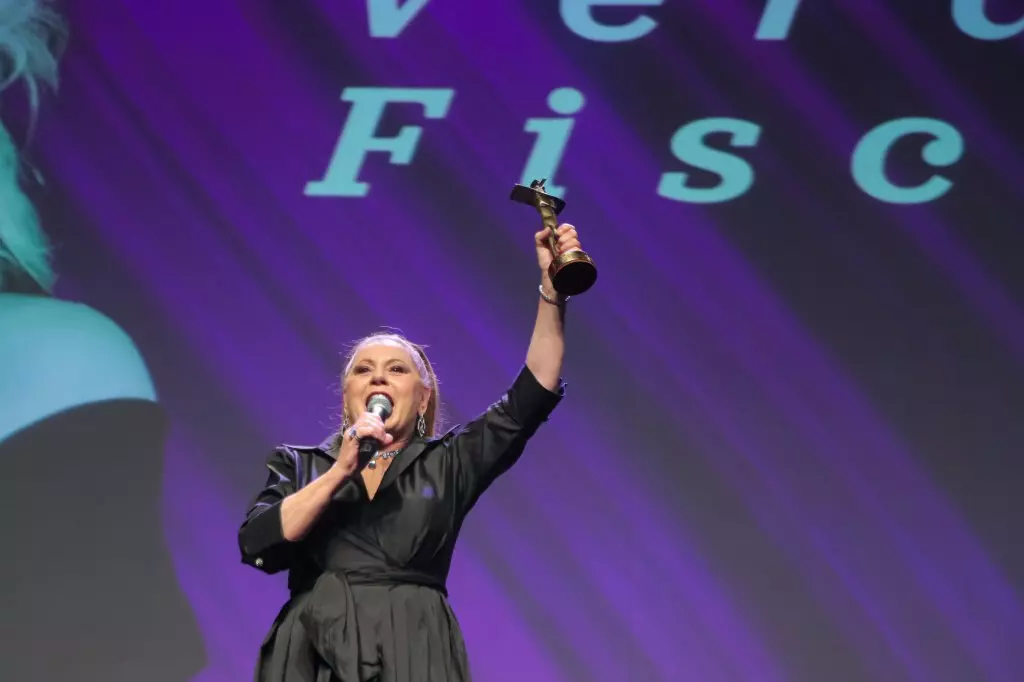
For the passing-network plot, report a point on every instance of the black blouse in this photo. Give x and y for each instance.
(368, 582)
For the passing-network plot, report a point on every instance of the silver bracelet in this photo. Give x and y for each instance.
(552, 301)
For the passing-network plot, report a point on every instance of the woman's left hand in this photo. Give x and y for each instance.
(566, 238)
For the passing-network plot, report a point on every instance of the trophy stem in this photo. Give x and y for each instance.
(550, 220)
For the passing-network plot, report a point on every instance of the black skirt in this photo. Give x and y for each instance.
(339, 632)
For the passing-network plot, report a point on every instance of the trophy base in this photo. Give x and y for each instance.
(572, 273)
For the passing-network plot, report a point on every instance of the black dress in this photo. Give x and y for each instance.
(368, 593)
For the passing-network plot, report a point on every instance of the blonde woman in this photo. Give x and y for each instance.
(368, 541)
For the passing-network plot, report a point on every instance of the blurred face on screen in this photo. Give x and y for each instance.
(386, 367)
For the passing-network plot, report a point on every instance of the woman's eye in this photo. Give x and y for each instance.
(362, 370)
(399, 369)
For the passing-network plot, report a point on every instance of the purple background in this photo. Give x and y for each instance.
(791, 443)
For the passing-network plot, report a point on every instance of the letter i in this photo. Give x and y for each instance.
(552, 138)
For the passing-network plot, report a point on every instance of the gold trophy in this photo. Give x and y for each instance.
(573, 272)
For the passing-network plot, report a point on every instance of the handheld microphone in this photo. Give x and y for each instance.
(381, 406)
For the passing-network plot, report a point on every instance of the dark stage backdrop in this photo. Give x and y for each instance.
(791, 446)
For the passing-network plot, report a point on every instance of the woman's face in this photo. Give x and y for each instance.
(386, 367)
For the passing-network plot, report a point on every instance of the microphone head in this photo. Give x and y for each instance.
(380, 405)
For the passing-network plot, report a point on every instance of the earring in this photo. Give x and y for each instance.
(421, 426)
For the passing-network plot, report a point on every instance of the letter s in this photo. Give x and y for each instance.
(688, 146)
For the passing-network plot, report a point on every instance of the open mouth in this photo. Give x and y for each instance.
(386, 395)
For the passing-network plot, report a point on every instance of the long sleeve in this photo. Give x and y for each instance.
(260, 537)
(490, 444)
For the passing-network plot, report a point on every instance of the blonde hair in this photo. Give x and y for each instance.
(32, 37)
(432, 415)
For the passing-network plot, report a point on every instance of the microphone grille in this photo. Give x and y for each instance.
(380, 405)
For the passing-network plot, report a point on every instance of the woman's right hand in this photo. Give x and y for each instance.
(368, 424)
(301, 509)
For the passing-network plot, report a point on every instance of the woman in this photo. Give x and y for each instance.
(368, 550)
(90, 590)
